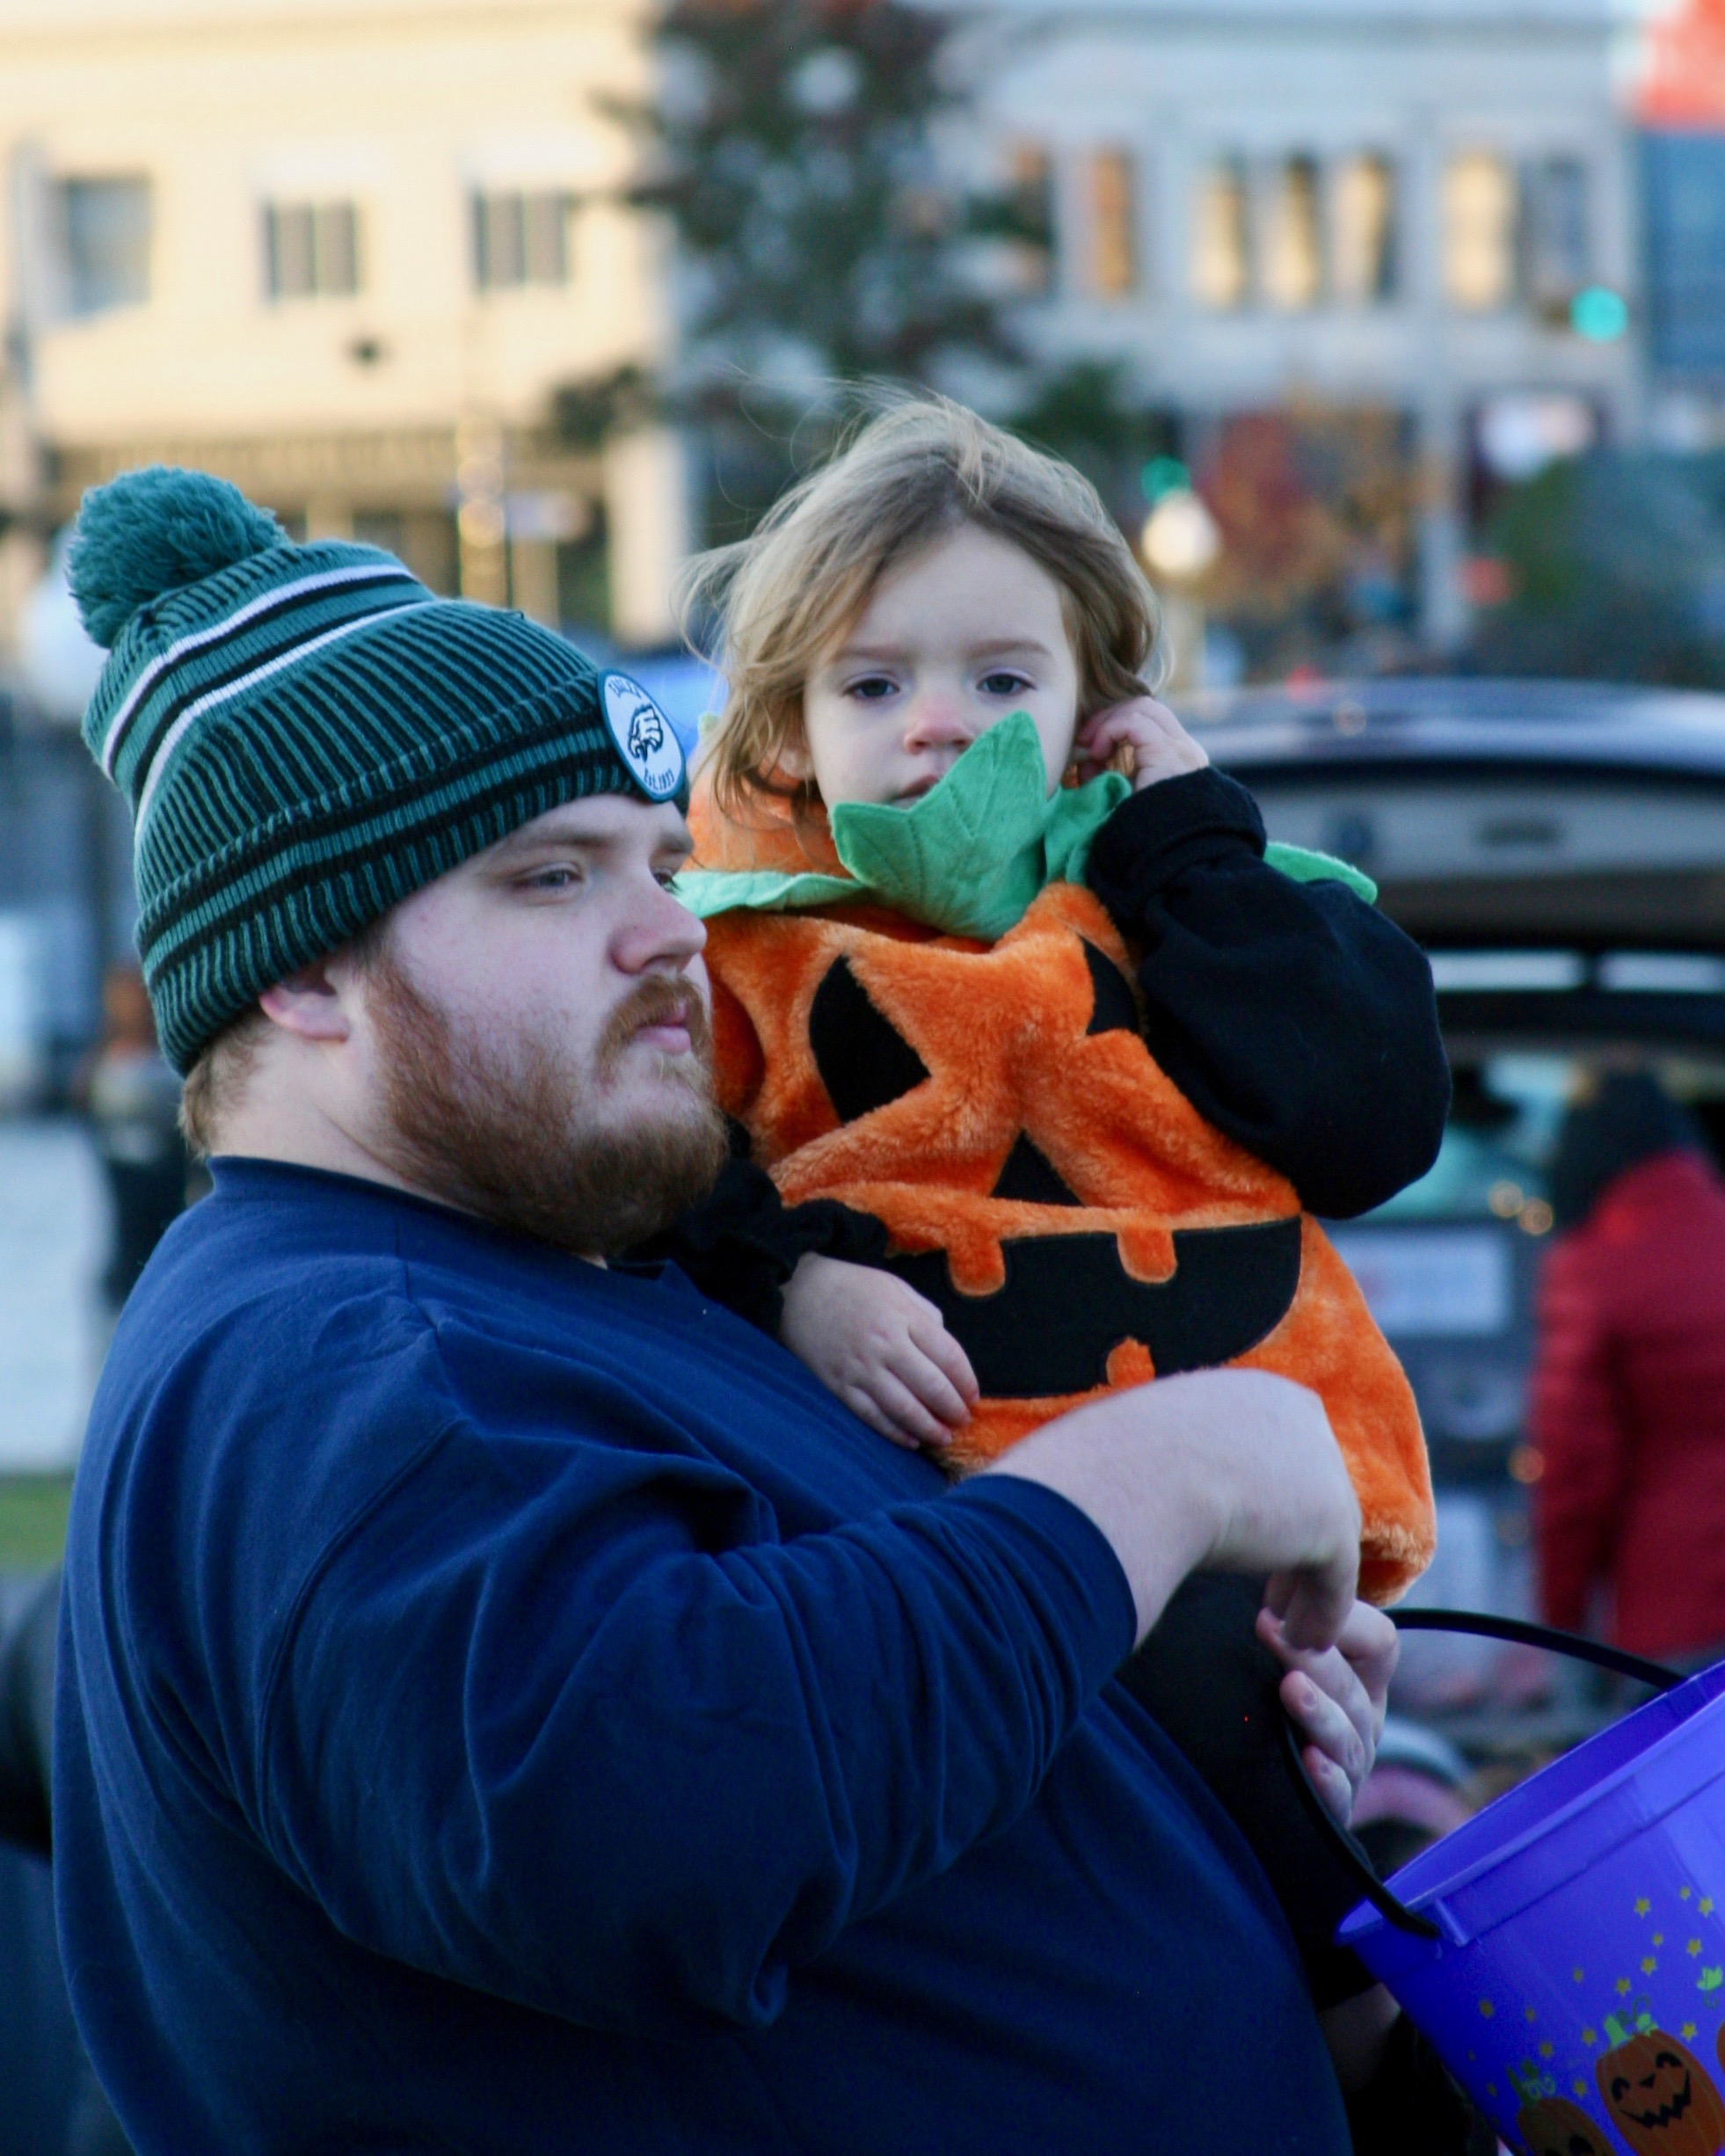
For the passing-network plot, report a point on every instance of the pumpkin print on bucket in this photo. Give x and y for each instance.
(1079, 1225)
(1657, 2094)
(1550, 2124)
(1556, 2127)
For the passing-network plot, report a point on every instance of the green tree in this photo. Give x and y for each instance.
(789, 151)
(797, 166)
(822, 245)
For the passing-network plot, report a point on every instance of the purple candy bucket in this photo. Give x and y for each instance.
(1576, 1984)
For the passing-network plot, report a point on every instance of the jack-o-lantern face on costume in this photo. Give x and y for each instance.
(1660, 2097)
(1078, 1223)
(1553, 2126)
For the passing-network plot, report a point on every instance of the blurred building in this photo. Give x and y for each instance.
(344, 252)
(1363, 249)
(1680, 104)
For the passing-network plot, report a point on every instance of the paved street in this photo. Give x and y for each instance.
(53, 1229)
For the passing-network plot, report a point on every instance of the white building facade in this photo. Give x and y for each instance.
(1421, 208)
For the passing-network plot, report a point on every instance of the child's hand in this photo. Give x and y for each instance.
(1157, 745)
(881, 1347)
(1336, 1700)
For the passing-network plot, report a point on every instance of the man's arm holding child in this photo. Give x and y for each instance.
(1293, 1016)
(517, 1647)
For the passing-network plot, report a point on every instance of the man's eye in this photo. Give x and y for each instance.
(563, 878)
(1003, 683)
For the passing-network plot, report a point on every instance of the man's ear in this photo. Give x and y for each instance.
(308, 1003)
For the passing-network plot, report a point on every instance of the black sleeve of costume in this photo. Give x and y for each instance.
(741, 1243)
(1292, 1016)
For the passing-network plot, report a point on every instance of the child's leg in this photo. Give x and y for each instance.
(1213, 1685)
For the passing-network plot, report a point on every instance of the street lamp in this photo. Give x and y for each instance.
(1181, 541)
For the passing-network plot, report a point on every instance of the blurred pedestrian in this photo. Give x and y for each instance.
(1628, 1393)
(133, 1102)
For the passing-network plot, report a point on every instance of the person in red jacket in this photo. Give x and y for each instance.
(1628, 1389)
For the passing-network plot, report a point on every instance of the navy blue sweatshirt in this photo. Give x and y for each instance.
(509, 1705)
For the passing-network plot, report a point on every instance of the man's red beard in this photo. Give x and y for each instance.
(519, 1137)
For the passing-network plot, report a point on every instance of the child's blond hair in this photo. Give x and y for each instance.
(918, 470)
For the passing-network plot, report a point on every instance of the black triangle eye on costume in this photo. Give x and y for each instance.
(1115, 1008)
(863, 1062)
(866, 1063)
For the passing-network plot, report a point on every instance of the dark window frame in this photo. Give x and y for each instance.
(519, 238)
(105, 264)
(313, 248)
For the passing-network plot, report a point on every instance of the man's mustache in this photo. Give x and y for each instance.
(656, 1002)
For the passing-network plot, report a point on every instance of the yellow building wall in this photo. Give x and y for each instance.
(334, 407)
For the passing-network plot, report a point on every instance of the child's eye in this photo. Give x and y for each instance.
(1004, 682)
(871, 688)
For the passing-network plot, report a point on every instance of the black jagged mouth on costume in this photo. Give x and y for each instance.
(1067, 1303)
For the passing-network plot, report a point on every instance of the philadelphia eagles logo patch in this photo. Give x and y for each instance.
(645, 738)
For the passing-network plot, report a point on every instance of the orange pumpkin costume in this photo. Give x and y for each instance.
(1078, 1222)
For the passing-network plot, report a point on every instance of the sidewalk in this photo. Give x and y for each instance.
(53, 1232)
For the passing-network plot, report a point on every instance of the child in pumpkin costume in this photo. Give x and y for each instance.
(926, 1009)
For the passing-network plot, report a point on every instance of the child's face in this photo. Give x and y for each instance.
(952, 640)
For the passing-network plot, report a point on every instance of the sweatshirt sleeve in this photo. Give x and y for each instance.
(1573, 1421)
(1292, 1016)
(610, 1748)
(742, 1243)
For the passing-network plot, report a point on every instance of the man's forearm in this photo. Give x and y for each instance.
(1233, 1468)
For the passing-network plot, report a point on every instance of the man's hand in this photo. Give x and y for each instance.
(1336, 1699)
(1233, 1469)
(1157, 745)
(881, 1347)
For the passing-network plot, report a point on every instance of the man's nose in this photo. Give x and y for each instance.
(658, 934)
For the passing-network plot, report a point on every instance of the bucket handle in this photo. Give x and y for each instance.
(1485, 1626)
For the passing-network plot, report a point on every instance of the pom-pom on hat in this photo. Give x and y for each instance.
(157, 531)
(307, 735)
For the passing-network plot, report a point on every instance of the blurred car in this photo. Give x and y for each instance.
(1558, 849)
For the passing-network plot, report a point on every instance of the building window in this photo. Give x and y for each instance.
(520, 239)
(1558, 254)
(1362, 230)
(1113, 224)
(1221, 240)
(311, 249)
(105, 230)
(1030, 205)
(1481, 212)
(1293, 259)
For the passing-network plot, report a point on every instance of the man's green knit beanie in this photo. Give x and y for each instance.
(307, 735)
